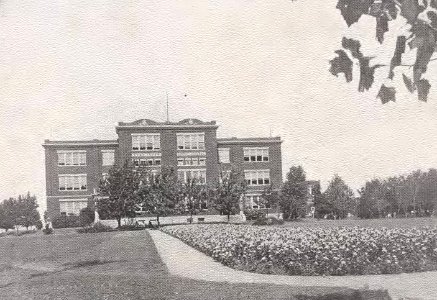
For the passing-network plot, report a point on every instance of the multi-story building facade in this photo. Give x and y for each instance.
(74, 168)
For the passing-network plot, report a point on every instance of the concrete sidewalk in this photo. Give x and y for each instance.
(183, 260)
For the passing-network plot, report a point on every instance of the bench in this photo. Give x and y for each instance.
(200, 220)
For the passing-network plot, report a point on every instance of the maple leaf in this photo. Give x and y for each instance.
(425, 41)
(410, 9)
(341, 64)
(353, 46)
(397, 56)
(366, 74)
(423, 87)
(386, 94)
(381, 27)
(433, 4)
(408, 83)
(352, 10)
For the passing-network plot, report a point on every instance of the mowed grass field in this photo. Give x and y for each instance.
(374, 223)
(119, 265)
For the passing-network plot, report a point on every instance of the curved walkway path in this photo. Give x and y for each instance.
(183, 260)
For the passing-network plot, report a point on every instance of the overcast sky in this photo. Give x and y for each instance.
(72, 69)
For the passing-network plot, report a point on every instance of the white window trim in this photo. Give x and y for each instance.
(73, 175)
(146, 135)
(77, 200)
(191, 141)
(257, 177)
(65, 160)
(113, 158)
(228, 151)
(255, 149)
(185, 171)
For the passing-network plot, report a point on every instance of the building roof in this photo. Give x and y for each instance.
(185, 123)
(95, 142)
(234, 140)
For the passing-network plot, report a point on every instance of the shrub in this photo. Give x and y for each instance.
(47, 230)
(38, 225)
(268, 221)
(255, 214)
(86, 216)
(97, 227)
(66, 222)
(314, 251)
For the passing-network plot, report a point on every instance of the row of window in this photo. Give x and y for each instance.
(152, 141)
(78, 157)
(257, 177)
(191, 161)
(185, 175)
(146, 142)
(250, 155)
(72, 207)
(78, 182)
(146, 162)
(72, 182)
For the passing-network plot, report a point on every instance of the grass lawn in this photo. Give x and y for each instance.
(375, 223)
(118, 265)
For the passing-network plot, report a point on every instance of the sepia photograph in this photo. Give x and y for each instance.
(204, 149)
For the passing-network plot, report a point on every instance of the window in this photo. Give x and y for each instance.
(146, 162)
(72, 158)
(146, 142)
(184, 175)
(256, 154)
(191, 161)
(223, 154)
(107, 157)
(254, 201)
(72, 182)
(72, 207)
(191, 141)
(257, 177)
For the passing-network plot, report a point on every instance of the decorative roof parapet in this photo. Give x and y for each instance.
(153, 124)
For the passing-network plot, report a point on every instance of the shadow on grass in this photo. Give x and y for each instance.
(89, 263)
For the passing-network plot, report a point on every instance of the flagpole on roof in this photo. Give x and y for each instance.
(168, 118)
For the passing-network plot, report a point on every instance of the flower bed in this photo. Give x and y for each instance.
(314, 251)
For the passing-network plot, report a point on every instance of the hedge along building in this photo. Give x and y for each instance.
(75, 168)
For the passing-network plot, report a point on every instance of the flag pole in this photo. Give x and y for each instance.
(168, 118)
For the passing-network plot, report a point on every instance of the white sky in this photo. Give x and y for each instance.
(72, 69)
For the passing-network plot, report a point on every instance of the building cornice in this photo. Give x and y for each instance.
(48, 143)
(225, 141)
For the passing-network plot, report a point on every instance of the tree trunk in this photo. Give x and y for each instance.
(157, 220)
(191, 217)
(119, 222)
(229, 216)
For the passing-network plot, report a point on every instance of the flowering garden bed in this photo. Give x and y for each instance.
(314, 251)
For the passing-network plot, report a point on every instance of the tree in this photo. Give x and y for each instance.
(321, 205)
(419, 17)
(194, 194)
(160, 193)
(270, 198)
(7, 214)
(293, 194)
(28, 211)
(118, 192)
(340, 196)
(372, 201)
(230, 189)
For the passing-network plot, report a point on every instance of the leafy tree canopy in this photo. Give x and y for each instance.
(421, 36)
